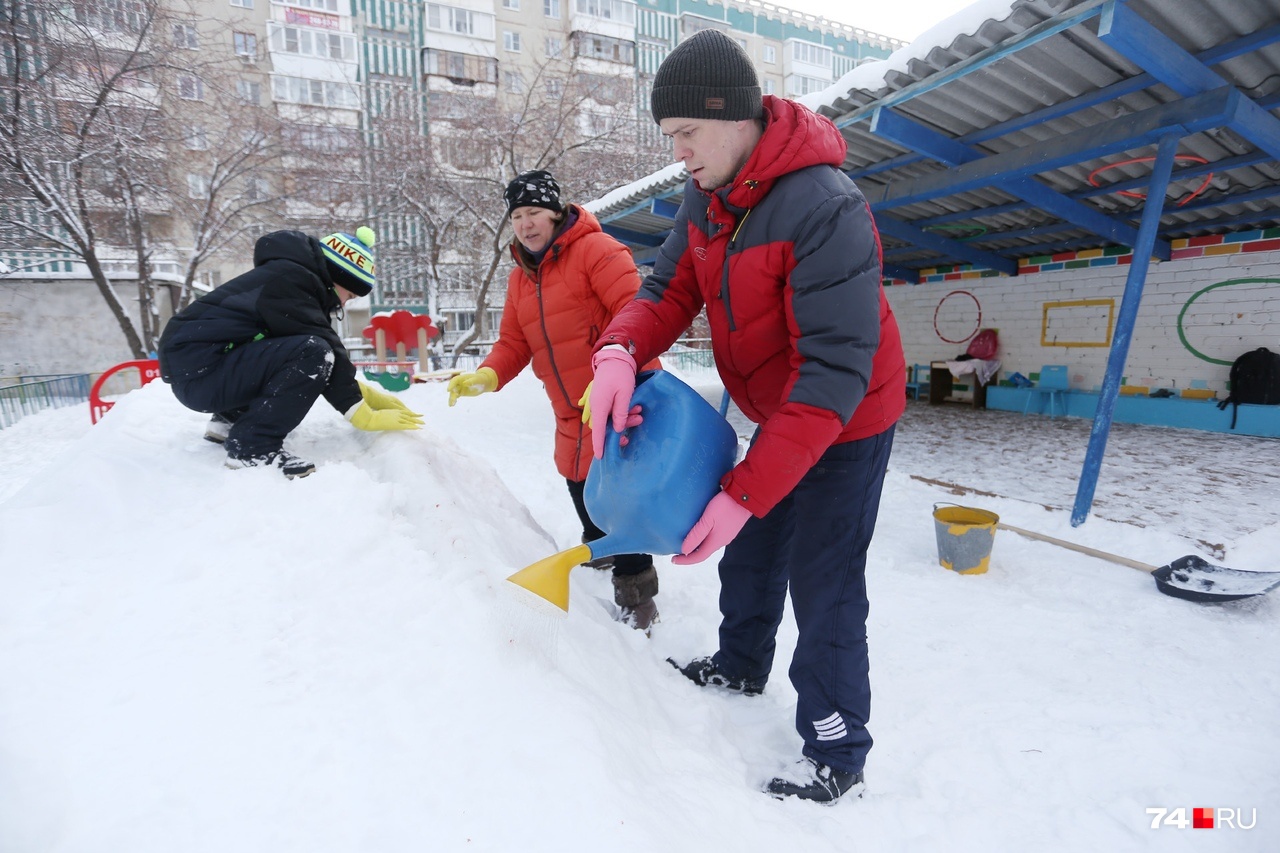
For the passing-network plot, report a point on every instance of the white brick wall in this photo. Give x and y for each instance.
(1220, 324)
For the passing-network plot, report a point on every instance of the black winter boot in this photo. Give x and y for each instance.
(704, 673)
(289, 464)
(817, 782)
(218, 429)
(634, 594)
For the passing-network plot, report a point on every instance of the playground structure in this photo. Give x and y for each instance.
(401, 332)
(148, 369)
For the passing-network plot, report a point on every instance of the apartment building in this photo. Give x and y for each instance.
(324, 70)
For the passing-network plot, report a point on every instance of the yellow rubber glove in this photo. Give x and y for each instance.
(378, 401)
(585, 403)
(472, 384)
(363, 416)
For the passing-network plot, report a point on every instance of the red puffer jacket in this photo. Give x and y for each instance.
(553, 316)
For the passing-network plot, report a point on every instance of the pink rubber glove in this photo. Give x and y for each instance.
(611, 390)
(721, 521)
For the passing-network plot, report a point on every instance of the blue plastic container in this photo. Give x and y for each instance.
(648, 495)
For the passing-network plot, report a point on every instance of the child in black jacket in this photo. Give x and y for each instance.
(259, 350)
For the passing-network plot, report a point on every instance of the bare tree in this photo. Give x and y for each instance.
(579, 125)
(116, 143)
(77, 77)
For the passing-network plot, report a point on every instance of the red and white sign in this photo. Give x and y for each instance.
(311, 19)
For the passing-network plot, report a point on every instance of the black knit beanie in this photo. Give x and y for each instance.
(533, 189)
(708, 75)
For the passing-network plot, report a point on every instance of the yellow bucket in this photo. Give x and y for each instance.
(965, 536)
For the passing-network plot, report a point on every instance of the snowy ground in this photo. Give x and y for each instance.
(197, 659)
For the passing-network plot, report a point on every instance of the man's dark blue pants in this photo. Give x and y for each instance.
(816, 540)
(264, 388)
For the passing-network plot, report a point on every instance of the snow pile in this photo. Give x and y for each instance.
(199, 659)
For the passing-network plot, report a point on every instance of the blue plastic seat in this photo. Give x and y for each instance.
(1054, 382)
(918, 381)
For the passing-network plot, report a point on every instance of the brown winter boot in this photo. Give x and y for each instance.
(634, 594)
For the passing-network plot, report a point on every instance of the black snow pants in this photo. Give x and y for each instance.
(264, 389)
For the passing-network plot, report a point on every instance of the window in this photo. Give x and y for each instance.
(555, 88)
(609, 10)
(513, 82)
(606, 48)
(322, 5)
(249, 91)
(798, 84)
(185, 36)
(320, 93)
(554, 47)
(461, 67)
(257, 189)
(324, 45)
(195, 138)
(810, 53)
(511, 41)
(449, 19)
(190, 88)
(246, 44)
(770, 54)
(742, 43)
(243, 4)
(109, 16)
(197, 186)
(323, 138)
(551, 8)
(766, 86)
(513, 5)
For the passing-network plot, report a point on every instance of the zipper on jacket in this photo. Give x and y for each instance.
(724, 283)
(546, 336)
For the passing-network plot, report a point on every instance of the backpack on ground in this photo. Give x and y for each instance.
(1255, 378)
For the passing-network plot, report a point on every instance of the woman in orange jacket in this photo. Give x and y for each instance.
(569, 281)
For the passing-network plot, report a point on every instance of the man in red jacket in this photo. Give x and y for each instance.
(780, 248)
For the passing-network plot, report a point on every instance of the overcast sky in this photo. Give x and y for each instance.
(900, 19)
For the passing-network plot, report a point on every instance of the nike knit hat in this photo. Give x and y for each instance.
(350, 261)
(708, 75)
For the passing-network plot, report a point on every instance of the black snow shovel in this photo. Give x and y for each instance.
(1188, 577)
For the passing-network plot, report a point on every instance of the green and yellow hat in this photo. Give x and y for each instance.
(350, 259)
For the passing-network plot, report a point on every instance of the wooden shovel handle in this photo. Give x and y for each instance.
(1083, 549)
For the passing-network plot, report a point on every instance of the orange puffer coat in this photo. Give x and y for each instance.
(553, 316)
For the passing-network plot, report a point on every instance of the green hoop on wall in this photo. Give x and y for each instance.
(1229, 283)
(978, 230)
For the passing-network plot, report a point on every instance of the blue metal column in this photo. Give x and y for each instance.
(1125, 322)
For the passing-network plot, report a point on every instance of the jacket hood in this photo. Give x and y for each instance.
(292, 246)
(795, 138)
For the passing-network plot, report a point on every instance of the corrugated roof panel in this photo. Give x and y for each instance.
(1031, 80)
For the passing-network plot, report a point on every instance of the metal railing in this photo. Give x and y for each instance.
(26, 395)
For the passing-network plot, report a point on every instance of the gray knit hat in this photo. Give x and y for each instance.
(708, 75)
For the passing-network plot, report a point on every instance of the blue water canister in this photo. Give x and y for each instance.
(646, 496)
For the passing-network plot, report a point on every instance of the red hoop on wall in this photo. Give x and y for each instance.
(1185, 158)
(976, 326)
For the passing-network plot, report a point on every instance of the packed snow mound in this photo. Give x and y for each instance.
(199, 659)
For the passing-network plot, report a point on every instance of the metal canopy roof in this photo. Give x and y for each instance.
(1036, 132)
(1042, 130)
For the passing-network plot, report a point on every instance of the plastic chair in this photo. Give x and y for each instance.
(1055, 383)
(918, 380)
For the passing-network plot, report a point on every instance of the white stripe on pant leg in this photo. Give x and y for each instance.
(832, 728)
